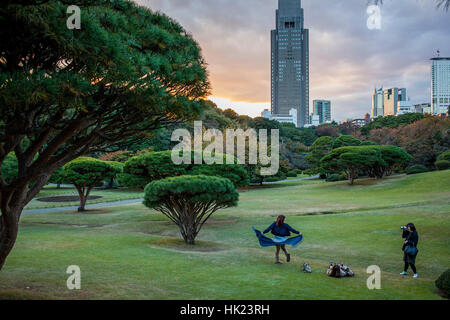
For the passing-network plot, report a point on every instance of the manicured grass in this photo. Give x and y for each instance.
(107, 195)
(131, 252)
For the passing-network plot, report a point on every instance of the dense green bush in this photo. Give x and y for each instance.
(57, 177)
(9, 168)
(292, 174)
(418, 168)
(442, 164)
(443, 283)
(189, 201)
(275, 178)
(298, 171)
(368, 143)
(335, 177)
(118, 168)
(444, 156)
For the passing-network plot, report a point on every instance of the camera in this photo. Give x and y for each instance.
(403, 227)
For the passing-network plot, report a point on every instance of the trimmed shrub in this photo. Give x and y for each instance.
(444, 156)
(418, 168)
(148, 167)
(442, 164)
(275, 178)
(188, 201)
(367, 143)
(443, 283)
(85, 174)
(235, 172)
(345, 141)
(140, 170)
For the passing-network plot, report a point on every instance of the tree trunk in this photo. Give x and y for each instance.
(8, 233)
(351, 177)
(188, 232)
(83, 199)
(189, 238)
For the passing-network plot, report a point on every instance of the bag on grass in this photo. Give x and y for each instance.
(306, 268)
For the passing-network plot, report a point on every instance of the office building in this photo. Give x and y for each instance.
(290, 62)
(391, 98)
(405, 107)
(322, 108)
(286, 118)
(377, 103)
(422, 108)
(440, 85)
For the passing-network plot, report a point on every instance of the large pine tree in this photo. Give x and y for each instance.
(65, 93)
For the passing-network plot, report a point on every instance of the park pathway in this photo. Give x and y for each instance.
(123, 202)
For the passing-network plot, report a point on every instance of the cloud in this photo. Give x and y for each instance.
(347, 60)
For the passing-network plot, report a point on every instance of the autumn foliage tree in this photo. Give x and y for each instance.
(66, 93)
(189, 201)
(424, 140)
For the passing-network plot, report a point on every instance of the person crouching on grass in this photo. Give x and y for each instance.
(281, 231)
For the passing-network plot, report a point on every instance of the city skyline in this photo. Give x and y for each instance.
(347, 60)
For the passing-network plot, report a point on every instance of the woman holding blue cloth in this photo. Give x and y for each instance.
(281, 231)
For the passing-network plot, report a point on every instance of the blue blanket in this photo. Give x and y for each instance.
(267, 242)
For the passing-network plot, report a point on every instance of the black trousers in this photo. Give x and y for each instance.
(409, 261)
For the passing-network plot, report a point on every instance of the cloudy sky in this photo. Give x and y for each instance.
(347, 60)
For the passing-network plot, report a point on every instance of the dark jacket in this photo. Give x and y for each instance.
(412, 238)
(281, 231)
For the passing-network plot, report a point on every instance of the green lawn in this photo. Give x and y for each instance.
(131, 252)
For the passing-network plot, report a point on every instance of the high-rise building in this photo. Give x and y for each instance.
(440, 85)
(322, 108)
(422, 108)
(289, 118)
(290, 62)
(378, 103)
(391, 98)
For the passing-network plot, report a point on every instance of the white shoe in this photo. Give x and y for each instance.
(403, 273)
(415, 275)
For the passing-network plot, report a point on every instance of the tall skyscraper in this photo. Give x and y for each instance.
(391, 100)
(440, 85)
(378, 103)
(322, 108)
(290, 62)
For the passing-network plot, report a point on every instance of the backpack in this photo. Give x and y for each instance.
(339, 270)
(306, 268)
